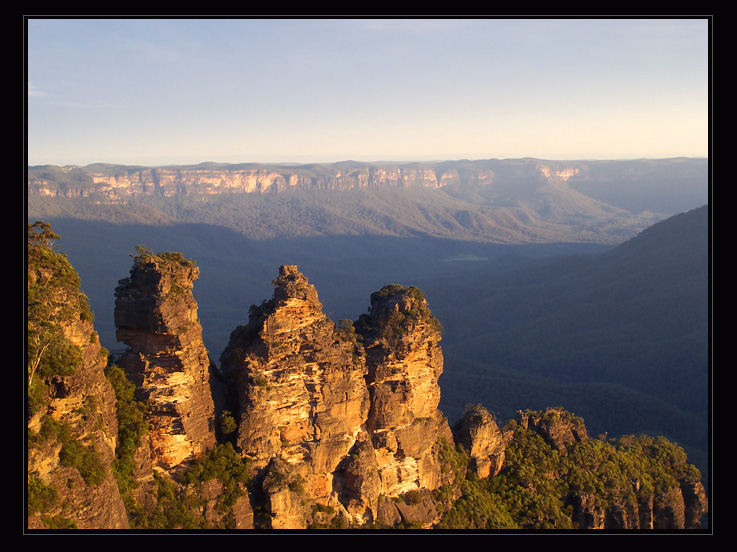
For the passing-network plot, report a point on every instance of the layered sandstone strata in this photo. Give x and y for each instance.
(156, 316)
(170, 182)
(72, 425)
(404, 360)
(337, 416)
(301, 390)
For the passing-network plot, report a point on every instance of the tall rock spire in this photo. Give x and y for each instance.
(404, 359)
(301, 390)
(156, 316)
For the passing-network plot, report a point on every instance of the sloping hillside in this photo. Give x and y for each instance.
(612, 335)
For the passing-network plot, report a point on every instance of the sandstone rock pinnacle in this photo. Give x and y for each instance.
(300, 384)
(156, 316)
(404, 360)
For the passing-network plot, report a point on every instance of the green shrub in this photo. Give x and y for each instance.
(132, 425)
(222, 463)
(58, 522)
(41, 497)
(227, 422)
(85, 459)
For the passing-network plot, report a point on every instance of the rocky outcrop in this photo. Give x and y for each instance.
(156, 316)
(695, 501)
(479, 434)
(336, 425)
(72, 444)
(558, 427)
(401, 338)
(210, 494)
(668, 509)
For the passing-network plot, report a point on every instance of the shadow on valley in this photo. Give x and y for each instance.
(616, 335)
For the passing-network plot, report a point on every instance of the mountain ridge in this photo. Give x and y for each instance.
(502, 201)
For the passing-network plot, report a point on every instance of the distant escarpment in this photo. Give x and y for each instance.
(306, 424)
(511, 201)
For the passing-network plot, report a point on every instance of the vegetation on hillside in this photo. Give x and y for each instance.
(537, 486)
(54, 304)
(179, 503)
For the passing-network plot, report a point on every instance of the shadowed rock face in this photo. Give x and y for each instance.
(557, 426)
(677, 506)
(156, 316)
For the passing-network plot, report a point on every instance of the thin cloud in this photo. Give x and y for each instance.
(35, 92)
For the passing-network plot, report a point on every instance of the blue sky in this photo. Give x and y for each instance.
(162, 91)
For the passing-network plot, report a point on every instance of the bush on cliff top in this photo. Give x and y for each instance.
(162, 257)
(54, 303)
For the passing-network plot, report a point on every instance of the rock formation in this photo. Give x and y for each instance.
(557, 426)
(351, 415)
(479, 434)
(667, 509)
(335, 425)
(156, 316)
(72, 421)
(120, 184)
(301, 390)
(404, 359)
(661, 491)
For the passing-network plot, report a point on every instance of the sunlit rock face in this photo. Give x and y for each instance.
(481, 437)
(350, 411)
(156, 316)
(80, 405)
(300, 385)
(404, 360)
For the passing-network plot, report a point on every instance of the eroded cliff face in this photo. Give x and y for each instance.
(557, 426)
(72, 419)
(336, 425)
(170, 182)
(404, 358)
(479, 434)
(156, 316)
(349, 419)
(301, 390)
(667, 494)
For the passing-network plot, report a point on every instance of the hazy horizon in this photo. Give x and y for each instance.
(368, 161)
(158, 92)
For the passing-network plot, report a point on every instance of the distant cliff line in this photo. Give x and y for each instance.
(112, 181)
